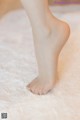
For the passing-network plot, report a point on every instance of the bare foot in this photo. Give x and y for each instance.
(47, 48)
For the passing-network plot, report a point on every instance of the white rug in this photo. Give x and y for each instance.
(18, 67)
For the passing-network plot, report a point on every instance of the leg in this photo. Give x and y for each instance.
(50, 35)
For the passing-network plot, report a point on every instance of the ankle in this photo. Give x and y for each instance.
(42, 31)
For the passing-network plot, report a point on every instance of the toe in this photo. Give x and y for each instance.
(44, 91)
(40, 90)
(35, 88)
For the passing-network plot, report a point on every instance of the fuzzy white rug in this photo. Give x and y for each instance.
(18, 67)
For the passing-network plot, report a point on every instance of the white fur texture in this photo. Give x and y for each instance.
(18, 67)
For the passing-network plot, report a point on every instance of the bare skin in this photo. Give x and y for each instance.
(47, 54)
(50, 34)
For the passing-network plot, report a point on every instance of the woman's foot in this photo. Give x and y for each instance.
(48, 45)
